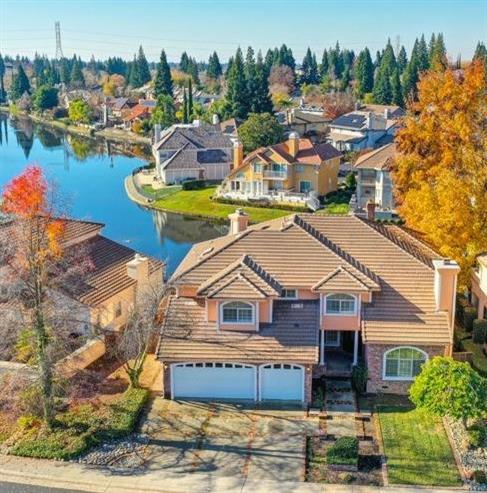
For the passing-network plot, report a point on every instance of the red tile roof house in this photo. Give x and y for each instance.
(258, 313)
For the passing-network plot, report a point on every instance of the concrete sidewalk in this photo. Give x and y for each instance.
(100, 480)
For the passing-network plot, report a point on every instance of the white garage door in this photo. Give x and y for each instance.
(213, 380)
(282, 382)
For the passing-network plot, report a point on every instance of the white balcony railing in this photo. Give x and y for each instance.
(275, 175)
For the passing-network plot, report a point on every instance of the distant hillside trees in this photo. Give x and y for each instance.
(20, 84)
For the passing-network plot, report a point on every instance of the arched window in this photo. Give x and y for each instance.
(403, 363)
(340, 304)
(237, 312)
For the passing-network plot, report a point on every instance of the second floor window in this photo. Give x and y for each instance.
(340, 304)
(289, 294)
(238, 312)
(257, 168)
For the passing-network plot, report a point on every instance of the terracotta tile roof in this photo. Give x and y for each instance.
(109, 275)
(186, 336)
(244, 273)
(301, 250)
(138, 111)
(340, 280)
(379, 159)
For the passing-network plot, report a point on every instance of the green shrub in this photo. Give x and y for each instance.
(262, 203)
(343, 452)
(461, 304)
(359, 378)
(479, 335)
(194, 184)
(28, 421)
(480, 476)
(477, 435)
(469, 315)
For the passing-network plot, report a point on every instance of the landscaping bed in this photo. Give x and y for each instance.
(77, 429)
(416, 446)
(318, 470)
(464, 340)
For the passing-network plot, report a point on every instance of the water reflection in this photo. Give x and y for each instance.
(90, 173)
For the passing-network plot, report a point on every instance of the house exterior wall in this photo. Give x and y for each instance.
(374, 355)
(262, 311)
(328, 176)
(479, 290)
(178, 175)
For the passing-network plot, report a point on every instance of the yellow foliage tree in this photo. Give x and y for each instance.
(440, 174)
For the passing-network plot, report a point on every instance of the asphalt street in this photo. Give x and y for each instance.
(28, 488)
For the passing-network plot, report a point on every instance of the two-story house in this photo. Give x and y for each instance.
(259, 313)
(374, 182)
(192, 151)
(368, 127)
(287, 172)
(478, 290)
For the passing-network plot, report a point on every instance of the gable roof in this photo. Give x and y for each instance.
(378, 159)
(193, 137)
(341, 279)
(138, 111)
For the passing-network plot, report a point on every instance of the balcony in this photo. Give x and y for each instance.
(275, 175)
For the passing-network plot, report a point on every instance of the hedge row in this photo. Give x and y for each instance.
(263, 204)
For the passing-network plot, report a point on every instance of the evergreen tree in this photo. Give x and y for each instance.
(134, 79)
(261, 101)
(92, 65)
(339, 65)
(324, 67)
(3, 95)
(431, 47)
(185, 106)
(229, 67)
(285, 57)
(411, 78)
(163, 80)
(438, 60)
(251, 79)
(269, 60)
(184, 62)
(364, 73)
(310, 69)
(65, 71)
(402, 60)
(346, 79)
(77, 79)
(237, 97)
(20, 84)
(397, 97)
(382, 88)
(214, 67)
(143, 68)
(423, 58)
(480, 53)
(164, 113)
(388, 60)
(378, 57)
(193, 71)
(190, 100)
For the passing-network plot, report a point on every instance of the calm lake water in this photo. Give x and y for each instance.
(90, 176)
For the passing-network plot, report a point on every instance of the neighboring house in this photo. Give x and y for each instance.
(230, 127)
(308, 121)
(116, 106)
(366, 128)
(138, 113)
(259, 313)
(478, 291)
(193, 151)
(374, 181)
(287, 172)
(116, 277)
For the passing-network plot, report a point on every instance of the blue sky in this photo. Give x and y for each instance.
(107, 27)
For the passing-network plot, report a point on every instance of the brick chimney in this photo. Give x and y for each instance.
(138, 268)
(370, 208)
(239, 221)
(293, 144)
(446, 272)
(237, 154)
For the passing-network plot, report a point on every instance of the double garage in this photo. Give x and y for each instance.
(272, 381)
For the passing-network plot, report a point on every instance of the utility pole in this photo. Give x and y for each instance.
(59, 50)
(398, 44)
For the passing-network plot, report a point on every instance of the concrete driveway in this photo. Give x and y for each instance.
(227, 440)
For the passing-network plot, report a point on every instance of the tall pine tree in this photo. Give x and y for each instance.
(184, 62)
(261, 100)
(20, 84)
(397, 96)
(143, 67)
(163, 80)
(364, 73)
(402, 60)
(237, 97)
(309, 68)
(214, 67)
(77, 78)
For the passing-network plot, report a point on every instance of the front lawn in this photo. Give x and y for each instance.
(416, 446)
(161, 193)
(199, 203)
(79, 428)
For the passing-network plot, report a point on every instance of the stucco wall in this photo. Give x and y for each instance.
(374, 359)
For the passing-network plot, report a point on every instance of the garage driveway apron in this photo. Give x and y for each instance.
(227, 440)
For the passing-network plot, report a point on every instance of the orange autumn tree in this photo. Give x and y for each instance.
(31, 247)
(440, 174)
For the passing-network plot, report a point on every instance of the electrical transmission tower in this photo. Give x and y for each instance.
(398, 44)
(59, 50)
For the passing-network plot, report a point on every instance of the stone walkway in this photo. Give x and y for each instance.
(340, 407)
